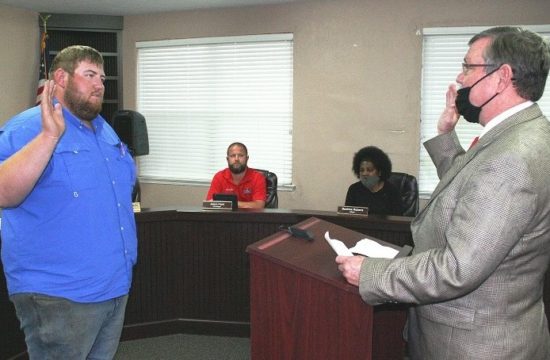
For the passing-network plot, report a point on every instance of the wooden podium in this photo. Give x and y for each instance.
(303, 308)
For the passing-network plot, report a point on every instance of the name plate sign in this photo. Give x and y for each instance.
(353, 210)
(136, 206)
(217, 205)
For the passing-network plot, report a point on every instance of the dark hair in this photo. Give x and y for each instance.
(377, 157)
(527, 53)
(238, 144)
(69, 58)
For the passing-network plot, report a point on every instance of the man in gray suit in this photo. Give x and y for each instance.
(482, 243)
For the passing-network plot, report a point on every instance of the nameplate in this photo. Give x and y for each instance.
(217, 205)
(136, 206)
(353, 210)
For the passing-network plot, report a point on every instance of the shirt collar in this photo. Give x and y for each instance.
(504, 115)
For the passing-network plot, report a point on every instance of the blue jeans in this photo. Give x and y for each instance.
(57, 328)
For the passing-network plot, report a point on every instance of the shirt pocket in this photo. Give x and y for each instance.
(123, 167)
(74, 162)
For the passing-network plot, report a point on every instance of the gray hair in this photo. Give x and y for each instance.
(527, 53)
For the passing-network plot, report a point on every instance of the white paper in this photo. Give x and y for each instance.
(339, 247)
(365, 247)
(373, 249)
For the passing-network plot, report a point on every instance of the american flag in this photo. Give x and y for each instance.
(43, 76)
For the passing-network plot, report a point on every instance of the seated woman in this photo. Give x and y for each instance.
(373, 167)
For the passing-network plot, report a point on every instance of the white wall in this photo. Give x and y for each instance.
(356, 80)
(19, 41)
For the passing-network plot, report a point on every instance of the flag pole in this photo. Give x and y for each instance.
(44, 19)
(43, 73)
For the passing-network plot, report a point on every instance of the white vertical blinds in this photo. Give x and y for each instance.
(443, 53)
(200, 95)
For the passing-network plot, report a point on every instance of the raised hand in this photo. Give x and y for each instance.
(19, 173)
(449, 117)
(53, 122)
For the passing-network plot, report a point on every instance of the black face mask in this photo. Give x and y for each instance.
(465, 108)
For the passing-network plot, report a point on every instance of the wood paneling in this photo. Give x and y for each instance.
(302, 307)
(192, 273)
(193, 266)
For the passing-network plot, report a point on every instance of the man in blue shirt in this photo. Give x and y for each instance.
(68, 229)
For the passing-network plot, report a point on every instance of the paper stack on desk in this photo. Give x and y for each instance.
(365, 247)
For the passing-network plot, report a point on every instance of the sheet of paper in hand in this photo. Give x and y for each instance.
(373, 249)
(365, 247)
(339, 247)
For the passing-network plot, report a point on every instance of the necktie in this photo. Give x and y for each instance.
(474, 141)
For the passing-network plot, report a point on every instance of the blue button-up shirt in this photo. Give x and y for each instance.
(74, 235)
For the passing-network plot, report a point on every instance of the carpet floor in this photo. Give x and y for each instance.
(185, 346)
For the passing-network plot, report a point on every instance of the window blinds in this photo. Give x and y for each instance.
(200, 95)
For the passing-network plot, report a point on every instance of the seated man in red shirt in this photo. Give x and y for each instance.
(248, 184)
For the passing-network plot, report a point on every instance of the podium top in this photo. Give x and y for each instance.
(315, 258)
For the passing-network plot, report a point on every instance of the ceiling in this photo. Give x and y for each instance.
(128, 7)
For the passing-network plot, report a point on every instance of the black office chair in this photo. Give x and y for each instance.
(408, 188)
(272, 200)
(136, 192)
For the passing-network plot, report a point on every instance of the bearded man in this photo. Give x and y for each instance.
(248, 184)
(68, 230)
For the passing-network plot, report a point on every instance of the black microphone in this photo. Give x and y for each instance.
(297, 232)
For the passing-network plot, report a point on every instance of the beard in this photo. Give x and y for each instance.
(237, 168)
(80, 105)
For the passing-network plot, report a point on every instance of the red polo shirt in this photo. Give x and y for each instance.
(252, 187)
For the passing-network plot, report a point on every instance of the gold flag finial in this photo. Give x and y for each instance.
(44, 19)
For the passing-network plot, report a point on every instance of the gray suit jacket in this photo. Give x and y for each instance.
(482, 247)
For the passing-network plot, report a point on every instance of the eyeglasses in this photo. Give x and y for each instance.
(467, 67)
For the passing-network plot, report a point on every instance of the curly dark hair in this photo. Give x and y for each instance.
(377, 157)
